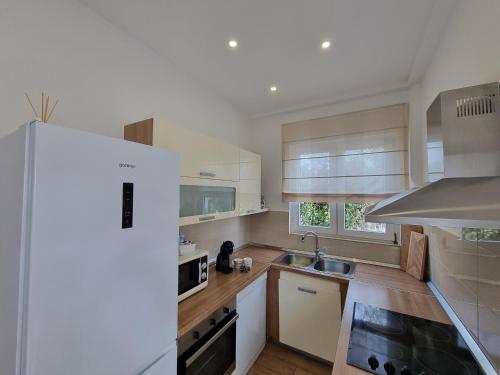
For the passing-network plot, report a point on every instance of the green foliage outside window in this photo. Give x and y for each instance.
(354, 218)
(354, 215)
(314, 214)
(474, 234)
(317, 214)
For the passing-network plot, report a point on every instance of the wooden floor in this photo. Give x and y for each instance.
(276, 360)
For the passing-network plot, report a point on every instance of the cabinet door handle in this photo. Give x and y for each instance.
(310, 291)
(207, 174)
(206, 218)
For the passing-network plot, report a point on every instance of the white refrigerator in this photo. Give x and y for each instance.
(88, 254)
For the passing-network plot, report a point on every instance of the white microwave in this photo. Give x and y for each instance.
(193, 273)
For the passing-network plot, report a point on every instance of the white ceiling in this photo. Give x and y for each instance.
(376, 45)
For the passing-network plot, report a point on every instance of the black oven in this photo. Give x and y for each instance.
(210, 348)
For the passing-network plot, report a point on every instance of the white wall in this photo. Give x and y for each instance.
(102, 77)
(468, 54)
(266, 132)
(469, 51)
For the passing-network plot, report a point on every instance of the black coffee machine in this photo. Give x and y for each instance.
(223, 262)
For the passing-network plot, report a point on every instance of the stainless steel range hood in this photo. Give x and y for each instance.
(463, 150)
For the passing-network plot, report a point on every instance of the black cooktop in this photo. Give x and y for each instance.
(386, 342)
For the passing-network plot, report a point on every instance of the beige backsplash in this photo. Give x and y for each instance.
(210, 235)
(271, 228)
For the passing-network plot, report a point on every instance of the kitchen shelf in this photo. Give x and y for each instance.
(254, 212)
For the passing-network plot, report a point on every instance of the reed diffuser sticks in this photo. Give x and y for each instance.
(46, 113)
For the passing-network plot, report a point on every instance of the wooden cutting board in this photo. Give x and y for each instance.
(416, 255)
(405, 242)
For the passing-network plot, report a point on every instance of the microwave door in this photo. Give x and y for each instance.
(189, 275)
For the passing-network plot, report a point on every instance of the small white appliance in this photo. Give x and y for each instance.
(193, 273)
(88, 254)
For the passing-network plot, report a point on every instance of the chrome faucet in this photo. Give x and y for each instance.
(317, 252)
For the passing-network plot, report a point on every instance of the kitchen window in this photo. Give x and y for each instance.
(361, 154)
(339, 220)
(319, 217)
(353, 157)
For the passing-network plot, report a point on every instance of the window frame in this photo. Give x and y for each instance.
(337, 230)
(294, 221)
(388, 236)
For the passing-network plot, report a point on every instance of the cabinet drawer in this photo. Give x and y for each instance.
(308, 281)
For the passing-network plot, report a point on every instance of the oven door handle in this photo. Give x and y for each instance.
(219, 333)
(199, 272)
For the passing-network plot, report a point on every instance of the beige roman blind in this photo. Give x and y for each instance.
(354, 156)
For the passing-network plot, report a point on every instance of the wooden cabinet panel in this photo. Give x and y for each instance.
(272, 329)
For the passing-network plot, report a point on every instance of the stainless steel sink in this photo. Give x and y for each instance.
(323, 265)
(297, 260)
(333, 266)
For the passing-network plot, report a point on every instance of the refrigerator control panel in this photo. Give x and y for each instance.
(128, 205)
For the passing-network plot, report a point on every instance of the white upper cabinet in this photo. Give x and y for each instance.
(201, 156)
(250, 182)
(218, 180)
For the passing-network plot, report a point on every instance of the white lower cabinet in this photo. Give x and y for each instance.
(309, 314)
(251, 325)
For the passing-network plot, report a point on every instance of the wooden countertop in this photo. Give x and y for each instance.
(390, 289)
(383, 287)
(222, 287)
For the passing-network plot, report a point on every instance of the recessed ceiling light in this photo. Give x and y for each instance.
(326, 44)
(273, 89)
(232, 43)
